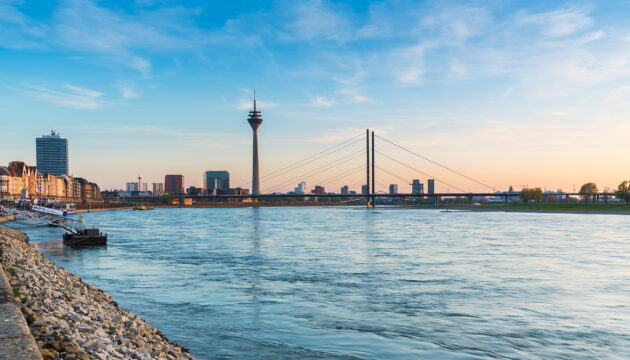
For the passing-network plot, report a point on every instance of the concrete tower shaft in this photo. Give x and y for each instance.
(255, 119)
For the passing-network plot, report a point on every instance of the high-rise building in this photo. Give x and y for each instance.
(132, 186)
(364, 189)
(344, 190)
(393, 189)
(255, 119)
(216, 180)
(137, 186)
(301, 188)
(319, 190)
(417, 187)
(174, 184)
(431, 186)
(52, 154)
(158, 188)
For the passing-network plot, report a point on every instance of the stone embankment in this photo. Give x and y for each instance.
(70, 319)
(4, 218)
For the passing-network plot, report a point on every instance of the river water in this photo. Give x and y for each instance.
(351, 283)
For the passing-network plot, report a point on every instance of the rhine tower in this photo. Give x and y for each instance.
(255, 119)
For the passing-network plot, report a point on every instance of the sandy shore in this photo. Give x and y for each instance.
(70, 319)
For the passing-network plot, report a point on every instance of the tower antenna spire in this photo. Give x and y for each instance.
(254, 99)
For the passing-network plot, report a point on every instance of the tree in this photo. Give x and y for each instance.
(166, 199)
(526, 195)
(537, 194)
(606, 194)
(588, 190)
(623, 191)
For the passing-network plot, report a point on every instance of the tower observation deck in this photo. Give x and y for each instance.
(255, 119)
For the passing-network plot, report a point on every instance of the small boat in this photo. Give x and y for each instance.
(139, 207)
(85, 237)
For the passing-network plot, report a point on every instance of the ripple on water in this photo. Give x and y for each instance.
(344, 283)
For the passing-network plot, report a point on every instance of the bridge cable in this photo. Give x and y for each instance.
(436, 163)
(305, 161)
(269, 176)
(394, 175)
(342, 175)
(421, 172)
(320, 169)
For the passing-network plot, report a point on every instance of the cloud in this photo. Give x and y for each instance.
(320, 101)
(557, 23)
(68, 96)
(82, 25)
(245, 104)
(315, 20)
(408, 64)
(140, 64)
(454, 24)
(18, 31)
(359, 99)
(197, 138)
(353, 95)
(126, 91)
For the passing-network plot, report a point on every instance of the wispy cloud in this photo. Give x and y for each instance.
(18, 31)
(86, 27)
(557, 23)
(315, 20)
(245, 104)
(126, 91)
(67, 96)
(320, 101)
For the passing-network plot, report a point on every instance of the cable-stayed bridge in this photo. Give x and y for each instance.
(362, 161)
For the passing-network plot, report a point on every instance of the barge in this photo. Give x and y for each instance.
(85, 237)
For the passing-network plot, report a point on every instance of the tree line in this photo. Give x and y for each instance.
(588, 192)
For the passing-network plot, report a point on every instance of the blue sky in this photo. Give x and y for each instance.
(512, 93)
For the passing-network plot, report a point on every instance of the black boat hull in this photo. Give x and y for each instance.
(85, 238)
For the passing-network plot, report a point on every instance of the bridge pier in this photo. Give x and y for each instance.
(470, 200)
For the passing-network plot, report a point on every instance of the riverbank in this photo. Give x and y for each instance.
(70, 319)
(4, 218)
(559, 208)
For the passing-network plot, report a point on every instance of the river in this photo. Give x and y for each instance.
(351, 283)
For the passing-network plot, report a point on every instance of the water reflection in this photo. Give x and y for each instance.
(257, 264)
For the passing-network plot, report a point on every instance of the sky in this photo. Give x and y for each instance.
(522, 93)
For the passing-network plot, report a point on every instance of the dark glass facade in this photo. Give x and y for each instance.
(52, 154)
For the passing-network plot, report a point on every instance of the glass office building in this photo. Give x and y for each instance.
(52, 154)
(216, 180)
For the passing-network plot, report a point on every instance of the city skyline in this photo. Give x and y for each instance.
(519, 94)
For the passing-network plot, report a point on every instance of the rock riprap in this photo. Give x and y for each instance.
(70, 319)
